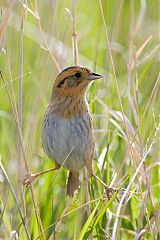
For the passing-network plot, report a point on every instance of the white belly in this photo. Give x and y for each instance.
(67, 141)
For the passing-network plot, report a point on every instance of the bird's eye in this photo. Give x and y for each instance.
(77, 75)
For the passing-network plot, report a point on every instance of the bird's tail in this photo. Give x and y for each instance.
(73, 183)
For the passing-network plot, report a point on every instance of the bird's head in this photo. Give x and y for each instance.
(74, 80)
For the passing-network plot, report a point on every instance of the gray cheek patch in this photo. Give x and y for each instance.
(69, 82)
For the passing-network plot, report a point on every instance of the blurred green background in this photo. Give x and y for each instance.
(125, 107)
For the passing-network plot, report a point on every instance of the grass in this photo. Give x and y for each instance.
(119, 39)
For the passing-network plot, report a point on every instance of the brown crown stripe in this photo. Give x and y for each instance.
(66, 69)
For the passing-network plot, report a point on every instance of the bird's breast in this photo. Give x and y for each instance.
(70, 140)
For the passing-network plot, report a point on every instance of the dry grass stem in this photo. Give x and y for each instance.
(74, 34)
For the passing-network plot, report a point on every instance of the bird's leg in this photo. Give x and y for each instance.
(31, 177)
(110, 191)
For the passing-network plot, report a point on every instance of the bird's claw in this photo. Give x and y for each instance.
(28, 179)
(110, 192)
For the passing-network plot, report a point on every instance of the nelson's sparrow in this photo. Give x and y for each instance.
(67, 133)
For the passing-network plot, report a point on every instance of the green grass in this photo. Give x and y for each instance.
(121, 41)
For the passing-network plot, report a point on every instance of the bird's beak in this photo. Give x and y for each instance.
(94, 76)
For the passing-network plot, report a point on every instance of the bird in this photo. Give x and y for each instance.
(67, 131)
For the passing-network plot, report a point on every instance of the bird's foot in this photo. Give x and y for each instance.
(29, 178)
(110, 192)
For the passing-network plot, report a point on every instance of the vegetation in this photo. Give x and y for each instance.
(121, 41)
